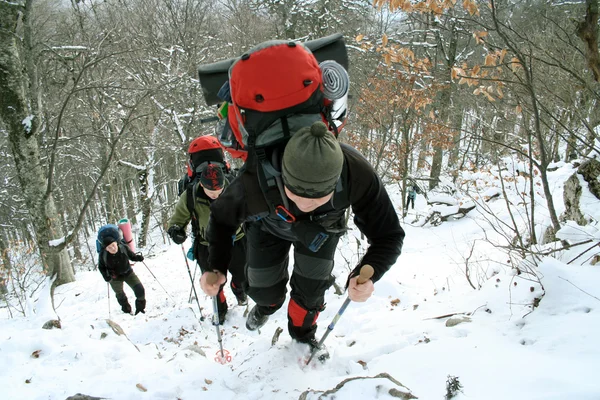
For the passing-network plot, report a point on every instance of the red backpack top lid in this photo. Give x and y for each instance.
(274, 80)
(274, 76)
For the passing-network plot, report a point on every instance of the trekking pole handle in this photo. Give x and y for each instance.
(211, 278)
(366, 273)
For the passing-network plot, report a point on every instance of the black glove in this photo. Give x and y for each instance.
(106, 278)
(139, 257)
(177, 234)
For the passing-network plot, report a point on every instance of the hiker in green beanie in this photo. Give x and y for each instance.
(321, 179)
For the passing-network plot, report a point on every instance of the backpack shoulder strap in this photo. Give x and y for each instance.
(191, 206)
(271, 182)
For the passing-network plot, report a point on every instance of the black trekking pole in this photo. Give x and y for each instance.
(192, 288)
(157, 281)
(192, 280)
(222, 355)
(366, 272)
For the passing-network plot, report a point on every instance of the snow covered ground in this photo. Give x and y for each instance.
(505, 350)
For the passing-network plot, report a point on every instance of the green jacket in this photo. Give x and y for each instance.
(182, 215)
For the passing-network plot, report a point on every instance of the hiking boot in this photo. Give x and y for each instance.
(140, 307)
(320, 353)
(240, 295)
(125, 306)
(222, 314)
(242, 299)
(255, 319)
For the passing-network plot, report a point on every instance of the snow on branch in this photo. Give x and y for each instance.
(128, 164)
(76, 48)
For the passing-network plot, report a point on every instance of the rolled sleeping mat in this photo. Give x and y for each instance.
(125, 227)
(213, 76)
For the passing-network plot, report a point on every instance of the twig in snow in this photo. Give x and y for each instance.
(579, 288)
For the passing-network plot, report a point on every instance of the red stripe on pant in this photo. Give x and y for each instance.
(298, 315)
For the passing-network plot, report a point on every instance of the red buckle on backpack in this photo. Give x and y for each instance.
(284, 214)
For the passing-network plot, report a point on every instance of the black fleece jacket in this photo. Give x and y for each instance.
(116, 265)
(374, 215)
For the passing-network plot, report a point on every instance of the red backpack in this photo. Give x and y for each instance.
(271, 92)
(275, 89)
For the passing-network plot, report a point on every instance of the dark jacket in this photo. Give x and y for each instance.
(116, 265)
(361, 189)
(202, 202)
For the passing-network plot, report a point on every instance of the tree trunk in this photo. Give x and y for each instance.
(444, 106)
(131, 214)
(20, 111)
(146, 207)
(6, 264)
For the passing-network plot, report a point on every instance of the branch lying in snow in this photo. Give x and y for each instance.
(579, 288)
(448, 315)
(456, 313)
(119, 331)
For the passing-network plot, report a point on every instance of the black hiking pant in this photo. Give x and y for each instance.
(410, 201)
(267, 273)
(236, 267)
(135, 284)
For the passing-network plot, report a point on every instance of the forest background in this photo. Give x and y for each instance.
(99, 101)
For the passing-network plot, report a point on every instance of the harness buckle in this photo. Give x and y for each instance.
(284, 214)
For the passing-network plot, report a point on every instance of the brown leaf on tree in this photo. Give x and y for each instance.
(362, 363)
(502, 54)
(36, 354)
(388, 59)
(454, 72)
(515, 64)
(359, 38)
(208, 381)
(471, 7)
(395, 302)
(479, 35)
(384, 40)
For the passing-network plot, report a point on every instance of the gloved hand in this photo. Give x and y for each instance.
(177, 234)
(106, 278)
(139, 257)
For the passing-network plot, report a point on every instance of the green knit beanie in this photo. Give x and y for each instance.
(312, 162)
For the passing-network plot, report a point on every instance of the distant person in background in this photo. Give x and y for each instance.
(410, 197)
(113, 263)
